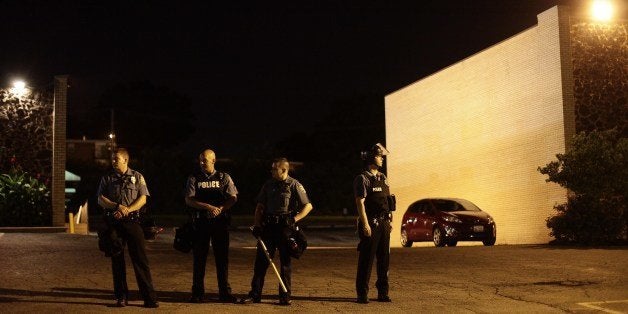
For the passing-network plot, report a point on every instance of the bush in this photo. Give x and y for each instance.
(596, 173)
(24, 201)
(586, 220)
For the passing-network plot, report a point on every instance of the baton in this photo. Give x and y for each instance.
(270, 260)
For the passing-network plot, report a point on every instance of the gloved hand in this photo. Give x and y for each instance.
(256, 231)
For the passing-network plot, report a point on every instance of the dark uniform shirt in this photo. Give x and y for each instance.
(123, 188)
(203, 187)
(282, 197)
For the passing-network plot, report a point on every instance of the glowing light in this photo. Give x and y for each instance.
(19, 88)
(602, 10)
(111, 135)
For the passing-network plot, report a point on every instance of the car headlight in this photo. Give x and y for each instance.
(452, 219)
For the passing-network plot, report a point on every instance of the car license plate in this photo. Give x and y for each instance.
(478, 228)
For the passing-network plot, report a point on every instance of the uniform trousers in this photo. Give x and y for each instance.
(375, 246)
(132, 236)
(216, 231)
(275, 238)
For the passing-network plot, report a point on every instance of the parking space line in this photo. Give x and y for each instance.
(595, 305)
(314, 247)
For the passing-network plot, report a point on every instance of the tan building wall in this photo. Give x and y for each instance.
(480, 128)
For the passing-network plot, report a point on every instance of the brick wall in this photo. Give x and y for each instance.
(480, 128)
(58, 150)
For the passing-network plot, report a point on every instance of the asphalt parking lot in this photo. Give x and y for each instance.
(61, 273)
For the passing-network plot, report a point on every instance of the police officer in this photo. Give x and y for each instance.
(210, 194)
(371, 193)
(281, 202)
(122, 193)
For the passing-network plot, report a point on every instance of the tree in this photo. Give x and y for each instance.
(595, 171)
(152, 122)
(146, 115)
(331, 152)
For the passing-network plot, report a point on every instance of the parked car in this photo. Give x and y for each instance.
(445, 221)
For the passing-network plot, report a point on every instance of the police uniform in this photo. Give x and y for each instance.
(281, 200)
(124, 189)
(375, 190)
(213, 189)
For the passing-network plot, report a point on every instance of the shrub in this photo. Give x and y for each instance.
(596, 173)
(24, 201)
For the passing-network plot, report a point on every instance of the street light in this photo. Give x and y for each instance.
(602, 10)
(19, 88)
(112, 141)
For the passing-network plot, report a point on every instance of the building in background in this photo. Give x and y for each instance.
(89, 151)
(480, 128)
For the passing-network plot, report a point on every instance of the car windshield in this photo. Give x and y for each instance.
(452, 206)
(468, 205)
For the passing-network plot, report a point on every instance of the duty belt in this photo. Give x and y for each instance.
(275, 219)
(198, 214)
(132, 216)
(378, 218)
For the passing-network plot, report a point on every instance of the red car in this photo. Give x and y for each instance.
(446, 221)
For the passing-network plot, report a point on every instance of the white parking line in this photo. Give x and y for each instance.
(596, 305)
(315, 247)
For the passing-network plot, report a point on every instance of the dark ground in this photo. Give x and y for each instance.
(58, 272)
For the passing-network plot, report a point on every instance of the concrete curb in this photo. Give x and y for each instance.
(32, 229)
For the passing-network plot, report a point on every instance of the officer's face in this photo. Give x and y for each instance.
(207, 160)
(379, 160)
(119, 162)
(279, 171)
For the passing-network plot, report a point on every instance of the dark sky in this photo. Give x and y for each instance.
(256, 72)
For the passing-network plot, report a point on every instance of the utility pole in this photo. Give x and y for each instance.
(112, 134)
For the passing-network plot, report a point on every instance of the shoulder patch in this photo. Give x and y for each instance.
(300, 187)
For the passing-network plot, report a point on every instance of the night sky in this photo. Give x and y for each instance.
(253, 72)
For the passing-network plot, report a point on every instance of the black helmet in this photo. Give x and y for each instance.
(376, 150)
(297, 243)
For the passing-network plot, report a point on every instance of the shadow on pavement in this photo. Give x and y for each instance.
(71, 294)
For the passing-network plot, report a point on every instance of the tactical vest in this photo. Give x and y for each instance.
(210, 190)
(376, 201)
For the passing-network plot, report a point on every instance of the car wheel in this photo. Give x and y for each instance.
(439, 237)
(404, 239)
(489, 242)
(452, 243)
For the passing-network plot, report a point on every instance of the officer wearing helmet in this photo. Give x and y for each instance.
(373, 201)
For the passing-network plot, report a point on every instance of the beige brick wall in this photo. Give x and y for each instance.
(480, 128)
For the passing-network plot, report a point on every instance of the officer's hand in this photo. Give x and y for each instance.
(257, 231)
(212, 211)
(118, 214)
(366, 230)
(290, 221)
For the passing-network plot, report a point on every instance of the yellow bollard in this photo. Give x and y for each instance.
(71, 222)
